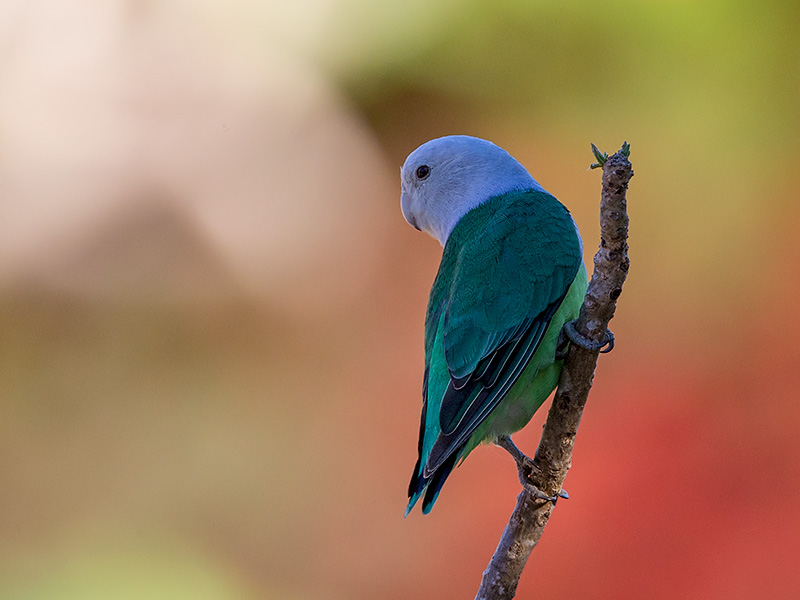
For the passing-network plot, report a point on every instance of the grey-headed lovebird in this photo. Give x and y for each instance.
(511, 276)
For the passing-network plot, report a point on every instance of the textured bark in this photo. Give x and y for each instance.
(554, 455)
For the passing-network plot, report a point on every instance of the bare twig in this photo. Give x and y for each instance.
(554, 455)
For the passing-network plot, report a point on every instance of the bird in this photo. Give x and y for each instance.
(510, 277)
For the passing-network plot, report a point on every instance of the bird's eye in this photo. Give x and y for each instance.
(423, 171)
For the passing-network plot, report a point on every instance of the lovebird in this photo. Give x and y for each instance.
(511, 275)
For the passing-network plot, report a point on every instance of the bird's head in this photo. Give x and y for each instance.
(447, 177)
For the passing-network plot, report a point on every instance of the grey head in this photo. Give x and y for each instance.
(447, 177)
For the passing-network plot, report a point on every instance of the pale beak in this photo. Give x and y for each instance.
(405, 201)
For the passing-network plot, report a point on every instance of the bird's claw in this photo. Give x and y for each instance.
(525, 468)
(539, 494)
(569, 335)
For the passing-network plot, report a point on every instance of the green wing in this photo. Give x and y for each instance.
(505, 270)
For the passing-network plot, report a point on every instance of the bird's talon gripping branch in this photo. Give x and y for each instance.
(570, 335)
(525, 468)
(539, 494)
(608, 344)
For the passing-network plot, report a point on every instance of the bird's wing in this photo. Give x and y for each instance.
(499, 285)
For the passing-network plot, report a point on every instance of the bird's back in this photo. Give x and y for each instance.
(503, 291)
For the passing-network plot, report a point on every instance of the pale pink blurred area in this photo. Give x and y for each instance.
(189, 228)
(145, 152)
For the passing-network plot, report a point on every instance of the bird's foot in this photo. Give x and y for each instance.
(525, 468)
(540, 495)
(569, 334)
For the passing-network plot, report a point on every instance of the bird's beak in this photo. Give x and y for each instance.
(405, 201)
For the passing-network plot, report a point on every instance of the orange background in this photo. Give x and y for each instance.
(211, 308)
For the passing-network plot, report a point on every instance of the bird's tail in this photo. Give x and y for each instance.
(429, 486)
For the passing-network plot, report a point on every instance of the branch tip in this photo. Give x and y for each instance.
(601, 158)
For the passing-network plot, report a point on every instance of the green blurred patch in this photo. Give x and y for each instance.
(125, 569)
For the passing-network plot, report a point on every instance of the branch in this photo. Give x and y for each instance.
(554, 455)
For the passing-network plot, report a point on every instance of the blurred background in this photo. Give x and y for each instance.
(211, 309)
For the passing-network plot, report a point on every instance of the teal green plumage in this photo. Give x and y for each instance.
(511, 275)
